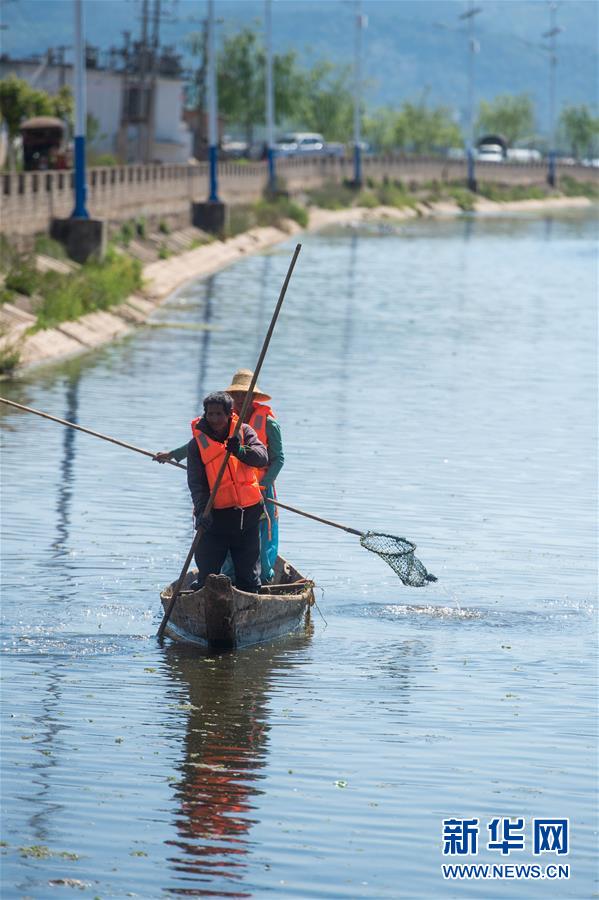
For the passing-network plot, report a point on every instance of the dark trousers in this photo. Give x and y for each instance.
(241, 536)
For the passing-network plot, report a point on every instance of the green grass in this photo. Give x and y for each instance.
(97, 285)
(46, 246)
(10, 357)
(502, 193)
(464, 198)
(265, 212)
(571, 187)
(273, 212)
(332, 196)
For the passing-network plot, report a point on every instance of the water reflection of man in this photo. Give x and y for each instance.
(226, 745)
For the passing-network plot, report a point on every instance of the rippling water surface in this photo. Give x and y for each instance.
(435, 381)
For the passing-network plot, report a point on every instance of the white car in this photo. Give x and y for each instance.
(490, 153)
(301, 143)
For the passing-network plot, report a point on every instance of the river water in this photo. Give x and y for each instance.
(435, 381)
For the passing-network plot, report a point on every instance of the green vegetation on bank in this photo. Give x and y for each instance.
(55, 297)
(266, 212)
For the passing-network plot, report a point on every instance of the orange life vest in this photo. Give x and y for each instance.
(257, 420)
(239, 484)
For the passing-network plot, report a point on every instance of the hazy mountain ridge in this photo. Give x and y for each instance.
(407, 54)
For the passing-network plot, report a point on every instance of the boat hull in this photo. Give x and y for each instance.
(221, 617)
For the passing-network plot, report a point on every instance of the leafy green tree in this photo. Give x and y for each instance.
(326, 102)
(241, 73)
(511, 115)
(418, 128)
(580, 130)
(379, 128)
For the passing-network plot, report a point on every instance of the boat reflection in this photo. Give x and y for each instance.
(226, 749)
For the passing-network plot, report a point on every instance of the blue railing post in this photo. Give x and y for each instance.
(80, 210)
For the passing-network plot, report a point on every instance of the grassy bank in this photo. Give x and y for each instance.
(55, 297)
(398, 194)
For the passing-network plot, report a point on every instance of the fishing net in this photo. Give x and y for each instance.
(399, 554)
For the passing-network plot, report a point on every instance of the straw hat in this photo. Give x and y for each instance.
(241, 382)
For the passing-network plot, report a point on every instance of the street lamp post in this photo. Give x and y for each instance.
(552, 34)
(80, 210)
(270, 103)
(472, 50)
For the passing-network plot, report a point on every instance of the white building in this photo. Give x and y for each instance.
(105, 96)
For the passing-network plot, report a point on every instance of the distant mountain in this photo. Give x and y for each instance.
(413, 49)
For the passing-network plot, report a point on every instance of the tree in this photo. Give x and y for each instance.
(19, 101)
(511, 115)
(415, 127)
(241, 73)
(580, 130)
(327, 103)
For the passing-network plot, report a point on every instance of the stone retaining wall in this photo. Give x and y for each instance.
(31, 199)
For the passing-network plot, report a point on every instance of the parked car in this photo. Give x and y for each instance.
(307, 143)
(523, 155)
(232, 149)
(490, 153)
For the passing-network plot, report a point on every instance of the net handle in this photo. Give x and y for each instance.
(308, 515)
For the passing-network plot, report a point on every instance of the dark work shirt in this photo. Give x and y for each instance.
(252, 452)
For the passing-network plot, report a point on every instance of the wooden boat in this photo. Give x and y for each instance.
(221, 617)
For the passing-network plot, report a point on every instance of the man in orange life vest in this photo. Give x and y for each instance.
(263, 421)
(234, 523)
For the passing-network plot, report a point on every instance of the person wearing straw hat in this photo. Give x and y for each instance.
(262, 419)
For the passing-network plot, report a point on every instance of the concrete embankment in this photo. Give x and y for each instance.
(164, 276)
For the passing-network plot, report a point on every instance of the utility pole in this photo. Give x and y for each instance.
(142, 110)
(270, 101)
(552, 34)
(473, 49)
(154, 65)
(80, 210)
(361, 22)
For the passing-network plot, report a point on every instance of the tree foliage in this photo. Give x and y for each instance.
(580, 130)
(241, 72)
(511, 115)
(19, 101)
(415, 127)
(327, 103)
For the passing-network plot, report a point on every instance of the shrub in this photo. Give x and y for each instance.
(332, 196)
(140, 227)
(464, 198)
(97, 285)
(368, 199)
(48, 247)
(164, 252)
(239, 219)
(164, 227)
(571, 187)
(125, 234)
(10, 357)
(22, 276)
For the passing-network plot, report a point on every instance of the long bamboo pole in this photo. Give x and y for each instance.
(98, 434)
